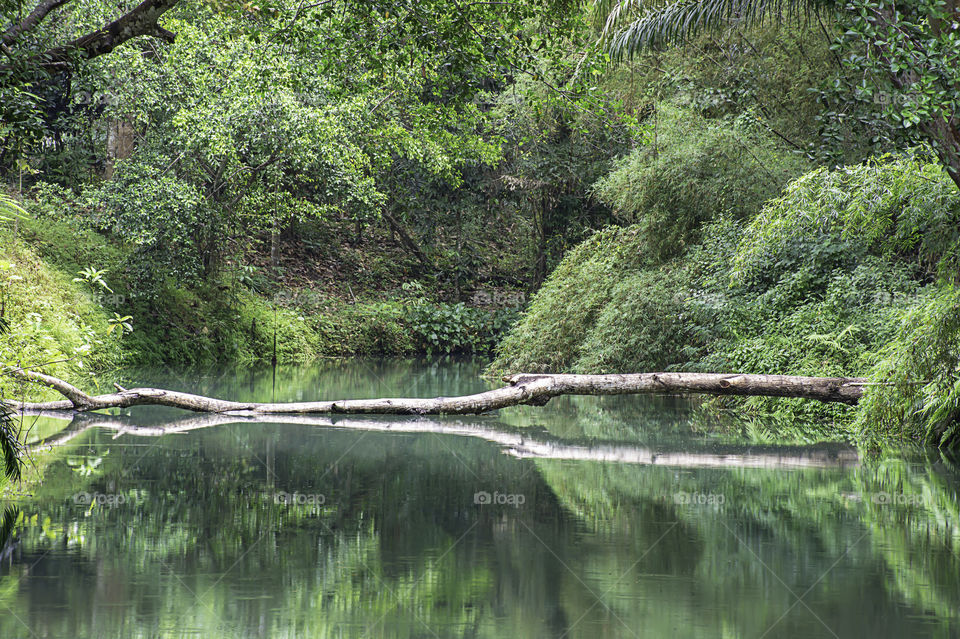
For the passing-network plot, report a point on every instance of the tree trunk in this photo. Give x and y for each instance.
(540, 228)
(521, 389)
(941, 131)
(120, 140)
(944, 132)
(274, 246)
(405, 238)
(944, 135)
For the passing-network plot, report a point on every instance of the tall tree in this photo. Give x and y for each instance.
(42, 50)
(909, 49)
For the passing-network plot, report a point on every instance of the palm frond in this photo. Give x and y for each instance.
(612, 15)
(10, 516)
(632, 25)
(11, 450)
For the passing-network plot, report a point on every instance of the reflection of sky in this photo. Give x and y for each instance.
(184, 534)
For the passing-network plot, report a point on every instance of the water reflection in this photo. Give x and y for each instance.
(419, 528)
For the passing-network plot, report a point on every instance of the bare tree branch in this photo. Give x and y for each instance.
(534, 390)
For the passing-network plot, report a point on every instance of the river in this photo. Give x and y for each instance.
(587, 518)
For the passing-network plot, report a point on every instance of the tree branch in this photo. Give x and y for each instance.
(141, 20)
(29, 23)
(534, 390)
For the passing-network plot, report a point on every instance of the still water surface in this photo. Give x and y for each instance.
(590, 517)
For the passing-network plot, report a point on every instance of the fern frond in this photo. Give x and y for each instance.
(9, 209)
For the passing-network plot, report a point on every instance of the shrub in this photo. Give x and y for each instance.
(894, 206)
(646, 325)
(165, 220)
(916, 391)
(456, 328)
(691, 171)
(815, 285)
(549, 336)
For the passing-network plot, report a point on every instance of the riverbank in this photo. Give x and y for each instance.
(72, 304)
(816, 284)
(849, 273)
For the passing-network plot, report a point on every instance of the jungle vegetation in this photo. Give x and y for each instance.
(719, 185)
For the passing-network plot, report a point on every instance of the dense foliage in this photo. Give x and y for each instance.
(198, 169)
(287, 180)
(838, 276)
(903, 55)
(691, 171)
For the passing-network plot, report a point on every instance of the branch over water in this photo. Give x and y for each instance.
(521, 389)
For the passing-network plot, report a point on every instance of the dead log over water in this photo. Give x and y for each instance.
(521, 389)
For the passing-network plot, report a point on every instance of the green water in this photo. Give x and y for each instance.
(610, 517)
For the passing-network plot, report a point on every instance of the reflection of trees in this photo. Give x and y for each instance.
(797, 524)
(327, 380)
(661, 419)
(919, 543)
(201, 505)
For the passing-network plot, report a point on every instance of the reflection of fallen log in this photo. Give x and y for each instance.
(516, 443)
(522, 389)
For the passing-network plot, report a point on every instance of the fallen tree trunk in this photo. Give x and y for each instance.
(521, 389)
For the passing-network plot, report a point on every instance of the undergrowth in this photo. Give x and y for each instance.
(849, 273)
(64, 290)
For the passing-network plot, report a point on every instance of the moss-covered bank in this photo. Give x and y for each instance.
(70, 305)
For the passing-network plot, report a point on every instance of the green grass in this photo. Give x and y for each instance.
(53, 321)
